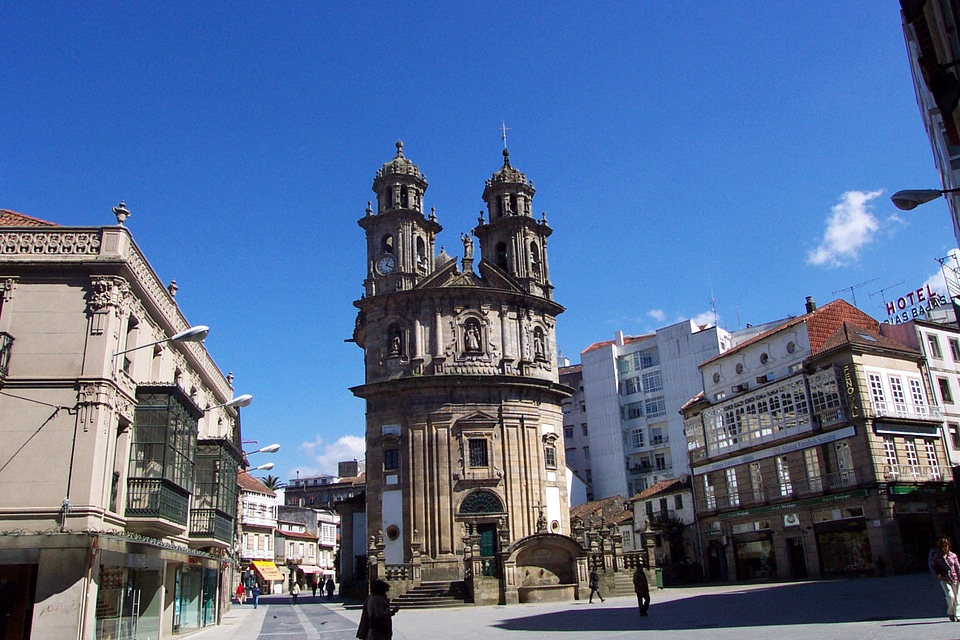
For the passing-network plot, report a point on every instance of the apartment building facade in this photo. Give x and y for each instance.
(816, 451)
(118, 486)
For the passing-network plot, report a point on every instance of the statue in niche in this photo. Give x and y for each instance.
(538, 351)
(472, 337)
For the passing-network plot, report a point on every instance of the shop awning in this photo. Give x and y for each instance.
(267, 570)
(309, 569)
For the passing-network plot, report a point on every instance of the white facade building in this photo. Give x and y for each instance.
(633, 388)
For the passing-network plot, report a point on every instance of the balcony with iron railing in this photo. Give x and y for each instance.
(915, 473)
(780, 492)
(157, 506)
(904, 410)
(6, 347)
(210, 524)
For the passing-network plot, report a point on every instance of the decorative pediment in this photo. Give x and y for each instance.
(497, 278)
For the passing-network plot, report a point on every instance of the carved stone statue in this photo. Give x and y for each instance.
(467, 246)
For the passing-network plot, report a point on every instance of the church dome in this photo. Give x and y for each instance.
(443, 258)
(400, 166)
(508, 174)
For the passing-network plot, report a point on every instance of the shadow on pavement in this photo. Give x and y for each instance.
(910, 597)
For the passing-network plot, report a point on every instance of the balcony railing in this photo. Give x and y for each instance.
(210, 523)
(915, 473)
(902, 410)
(156, 498)
(6, 347)
(779, 492)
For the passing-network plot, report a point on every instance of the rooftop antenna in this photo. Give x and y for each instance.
(503, 132)
(883, 297)
(853, 287)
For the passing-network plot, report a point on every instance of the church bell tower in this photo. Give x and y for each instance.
(464, 435)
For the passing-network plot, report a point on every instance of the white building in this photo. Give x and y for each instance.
(258, 522)
(633, 388)
(932, 47)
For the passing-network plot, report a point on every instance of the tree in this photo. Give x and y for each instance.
(273, 483)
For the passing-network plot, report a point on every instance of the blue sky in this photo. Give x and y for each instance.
(683, 151)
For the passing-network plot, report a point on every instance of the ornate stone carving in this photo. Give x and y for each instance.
(7, 286)
(50, 242)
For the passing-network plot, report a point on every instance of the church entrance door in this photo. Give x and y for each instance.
(488, 546)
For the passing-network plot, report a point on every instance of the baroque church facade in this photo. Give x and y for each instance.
(464, 424)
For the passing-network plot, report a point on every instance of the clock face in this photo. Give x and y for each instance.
(386, 264)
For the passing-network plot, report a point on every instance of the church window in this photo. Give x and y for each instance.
(404, 197)
(501, 255)
(391, 459)
(513, 204)
(535, 259)
(550, 455)
(386, 245)
(481, 502)
(421, 253)
(478, 452)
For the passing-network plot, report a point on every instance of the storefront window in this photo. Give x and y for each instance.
(756, 560)
(128, 604)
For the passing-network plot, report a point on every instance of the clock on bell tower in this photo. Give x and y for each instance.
(400, 239)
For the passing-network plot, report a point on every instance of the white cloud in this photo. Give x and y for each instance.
(850, 226)
(657, 314)
(707, 318)
(326, 455)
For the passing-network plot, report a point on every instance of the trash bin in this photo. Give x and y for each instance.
(659, 571)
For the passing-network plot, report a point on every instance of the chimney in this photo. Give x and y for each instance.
(811, 305)
(619, 338)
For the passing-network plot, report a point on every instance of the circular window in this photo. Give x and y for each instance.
(716, 377)
(393, 532)
(764, 358)
(555, 526)
(739, 367)
(791, 347)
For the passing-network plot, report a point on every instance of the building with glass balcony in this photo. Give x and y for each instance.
(119, 458)
(816, 451)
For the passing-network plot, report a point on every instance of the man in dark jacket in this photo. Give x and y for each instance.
(642, 587)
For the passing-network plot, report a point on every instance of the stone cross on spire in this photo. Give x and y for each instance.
(503, 133)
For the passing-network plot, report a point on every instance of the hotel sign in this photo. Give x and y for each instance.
(914, 305)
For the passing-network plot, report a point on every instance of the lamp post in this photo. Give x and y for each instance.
(193, 334)
(240, 401)
(910, 199)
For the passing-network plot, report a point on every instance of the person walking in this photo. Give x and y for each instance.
(295, 591)
(313, 586)
(376, 619)
(594, 586)
(642, 587)
(240, 593)
(255, 592)
(945, 568)
(330, 587)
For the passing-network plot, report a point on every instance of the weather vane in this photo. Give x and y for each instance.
(503, 133)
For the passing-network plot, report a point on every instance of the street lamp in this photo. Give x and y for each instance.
(193, 334)
(264, 467)
(911, 198)
(239, 401)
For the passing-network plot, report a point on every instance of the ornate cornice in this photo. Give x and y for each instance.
(50, 242)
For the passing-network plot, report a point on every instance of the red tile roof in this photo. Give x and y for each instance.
(852, 334)
(248, 482)
(664, 486)
(821, 324)
(13, 219)
(612, 509)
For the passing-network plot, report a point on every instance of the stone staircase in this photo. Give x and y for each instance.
(433, 595)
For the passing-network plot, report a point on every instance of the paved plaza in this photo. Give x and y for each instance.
(909, 607)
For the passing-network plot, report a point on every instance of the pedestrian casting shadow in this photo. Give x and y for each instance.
(824, 602)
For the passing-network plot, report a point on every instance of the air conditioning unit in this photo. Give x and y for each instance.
(737, 388)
